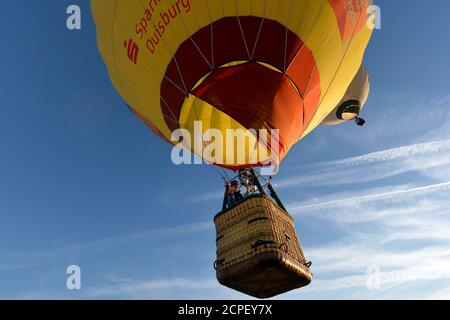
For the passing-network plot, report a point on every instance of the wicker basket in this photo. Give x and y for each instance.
(258, 252)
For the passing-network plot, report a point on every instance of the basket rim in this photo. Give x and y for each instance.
(248, 198)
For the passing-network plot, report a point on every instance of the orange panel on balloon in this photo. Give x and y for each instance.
(257, 97)
(351, 15)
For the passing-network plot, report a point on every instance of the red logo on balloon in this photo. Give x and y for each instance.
(132, 50)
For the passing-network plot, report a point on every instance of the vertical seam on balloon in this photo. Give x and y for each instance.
(257, 38)
(305, 126)
(201, 53)
(212, 66)
(212, 46)
(115, 60)
(305, 41)
(181, 75)
(173, 119)
(175, 58)
(286, 35)
(335, 74)
(295, 56)
(112, 43)
(174, 84)
(114, 47)
(203, 142)
(285, 49)
(243, 37)
(260, 29)
(278, 9)
(309, 80)
(195, 44)
(151, 93)
(242, 30)
(171, 52)
(167, 78)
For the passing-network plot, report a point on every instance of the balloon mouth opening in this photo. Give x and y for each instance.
(349, 116)
(349, 110)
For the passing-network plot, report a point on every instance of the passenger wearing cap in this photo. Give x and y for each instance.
(234, 194)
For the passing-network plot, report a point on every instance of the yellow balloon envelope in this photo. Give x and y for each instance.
(233, 64)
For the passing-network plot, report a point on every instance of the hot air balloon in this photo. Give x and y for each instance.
(263, 65)
(353, 101)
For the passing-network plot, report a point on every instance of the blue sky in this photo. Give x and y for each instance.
(83, 182)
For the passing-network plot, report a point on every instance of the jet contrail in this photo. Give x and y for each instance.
(377, 165)
(372, 197)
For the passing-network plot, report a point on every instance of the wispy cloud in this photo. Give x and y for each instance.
(403, 233)
(400, 228)
(115, 278)
(442, 294)
(23, 260)
(401, 214)
(151, 288)
(392, 193)
(376, 281)
(373, 166)
(361, 169)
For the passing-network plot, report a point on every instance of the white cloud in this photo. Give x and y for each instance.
(23, 260)
(172, 288)
(115, 278)
(373, 221)
(442, 294)
(152, 287)
(400, 229)
(422, 157)
(373, 166)
(382, 279)
(389, 193)
(404, 233)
